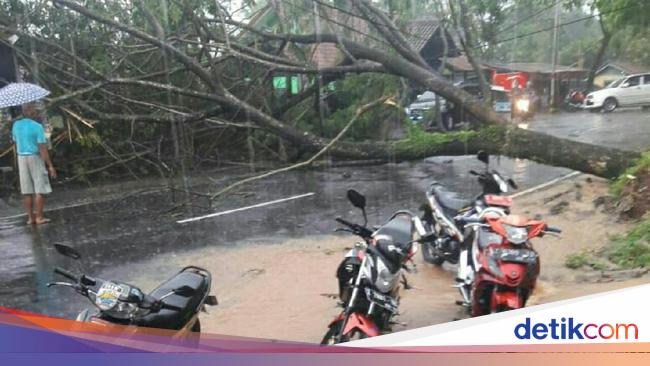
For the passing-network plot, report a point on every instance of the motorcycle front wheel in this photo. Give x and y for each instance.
(331, 337)
(196, 327)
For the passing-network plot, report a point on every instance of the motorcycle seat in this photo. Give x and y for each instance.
(176, 319)
(450, 201)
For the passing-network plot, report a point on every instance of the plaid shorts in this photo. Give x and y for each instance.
(33, 175)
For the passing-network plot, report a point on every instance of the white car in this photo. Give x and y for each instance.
(630, 91)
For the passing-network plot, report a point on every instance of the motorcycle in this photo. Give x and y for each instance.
(574, 101)
(522, 108)
(369, 275)
(444, 212)
(173, 305)
(501, 264)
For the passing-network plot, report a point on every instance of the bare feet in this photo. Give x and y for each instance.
(41, 221)
(30, 222)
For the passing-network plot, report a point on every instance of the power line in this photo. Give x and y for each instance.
(560, 25)
(527, 18)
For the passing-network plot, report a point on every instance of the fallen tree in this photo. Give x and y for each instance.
(204, 64)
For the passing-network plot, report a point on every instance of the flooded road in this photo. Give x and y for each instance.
(137, 237)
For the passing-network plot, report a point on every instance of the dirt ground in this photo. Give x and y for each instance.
(288, 290)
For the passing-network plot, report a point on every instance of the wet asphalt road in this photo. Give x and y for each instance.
(128, 232)
(627, 129)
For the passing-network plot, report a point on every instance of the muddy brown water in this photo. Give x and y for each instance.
(273, 267)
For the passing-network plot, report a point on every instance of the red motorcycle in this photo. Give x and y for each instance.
(503, 266)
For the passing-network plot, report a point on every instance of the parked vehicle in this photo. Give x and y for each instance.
(174, 305)
(574, 101)
(369, 275)
(500, 265)
(444, 213)
(423, 102)
(630, 91)
(454, 115)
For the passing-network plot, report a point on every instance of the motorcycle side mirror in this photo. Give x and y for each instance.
(512, 184)
(357, 199)
(67, 251)
(185, 291)
(484, 157)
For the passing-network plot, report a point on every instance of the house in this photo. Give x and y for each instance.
(615, 70)
(540, 74)
(425, 36)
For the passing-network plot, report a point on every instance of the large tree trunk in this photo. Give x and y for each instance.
(518, 143)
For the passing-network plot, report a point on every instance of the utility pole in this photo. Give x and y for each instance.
(554, 55)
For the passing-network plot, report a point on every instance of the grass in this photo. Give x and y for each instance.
(576, 260)
(585, 259)
(643, 163)
(628, 251)
(632, 250)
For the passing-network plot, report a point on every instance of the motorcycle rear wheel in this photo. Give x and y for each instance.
(430, 255)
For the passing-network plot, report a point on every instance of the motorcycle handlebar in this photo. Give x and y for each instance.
(344, 222)
(356, 229)
(66, 274)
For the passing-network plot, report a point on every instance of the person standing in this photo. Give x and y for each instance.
(34, 164)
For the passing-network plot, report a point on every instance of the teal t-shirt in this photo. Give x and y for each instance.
(27, 134)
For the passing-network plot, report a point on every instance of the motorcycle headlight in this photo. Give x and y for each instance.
(523, 105)
(385, 280)
(515, 234)
(123, 310)
(503, 185)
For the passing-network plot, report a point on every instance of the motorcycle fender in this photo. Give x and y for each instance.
(362, 323)
(90, 316)
(83, 316)
(509, 299)
(338, 318)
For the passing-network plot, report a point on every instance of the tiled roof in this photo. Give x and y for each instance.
(627, 67)
(460, 63)
(418, 32)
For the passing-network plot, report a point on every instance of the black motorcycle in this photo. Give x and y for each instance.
(369, 276)
(173, 305)
(445, 212)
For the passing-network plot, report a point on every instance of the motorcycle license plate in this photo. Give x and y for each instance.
(515, 255)
(382, 300)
